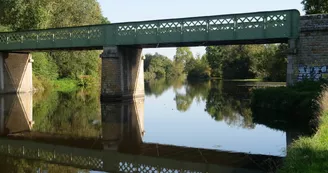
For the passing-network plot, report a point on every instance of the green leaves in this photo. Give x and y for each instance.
(159, 66)
(184, 56)
(315, 6)
(44, 66)
(39, 14)
(248, 61)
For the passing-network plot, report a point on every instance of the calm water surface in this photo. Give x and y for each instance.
(192, 122)
(178, 126)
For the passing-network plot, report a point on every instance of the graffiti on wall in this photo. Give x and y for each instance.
(315, 73)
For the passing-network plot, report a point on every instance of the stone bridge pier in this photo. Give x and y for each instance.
(122, 130)
(122, 75)
(15, 73)
(16, 113)
(309, 53)
(123, 124)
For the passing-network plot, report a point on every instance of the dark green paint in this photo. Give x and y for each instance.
(267, 27)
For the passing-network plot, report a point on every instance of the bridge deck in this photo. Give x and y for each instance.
(258, 27)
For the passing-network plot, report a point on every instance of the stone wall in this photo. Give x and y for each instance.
(311, 59)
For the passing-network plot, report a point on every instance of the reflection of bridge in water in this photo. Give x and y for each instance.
(120, 149)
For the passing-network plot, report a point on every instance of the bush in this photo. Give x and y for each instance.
(198, 74)
(44, 66)
(41, 83)
(200, 71)
(149, 76)
(284, 107)
(65, 85)
(88, 81)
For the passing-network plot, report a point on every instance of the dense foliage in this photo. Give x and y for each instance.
(159, 66)
(315, 6)
(268, 62)
(248, 61)
(16, 15)
(295, 107)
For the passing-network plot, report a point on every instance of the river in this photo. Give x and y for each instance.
(178, 126)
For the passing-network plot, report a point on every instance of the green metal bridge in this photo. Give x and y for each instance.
(247, 28)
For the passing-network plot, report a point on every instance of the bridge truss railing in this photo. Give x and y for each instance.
(96, 159)
(234, 27)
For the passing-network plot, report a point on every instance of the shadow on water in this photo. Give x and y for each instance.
(74, 132)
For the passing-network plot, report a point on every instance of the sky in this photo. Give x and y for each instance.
(140, 10)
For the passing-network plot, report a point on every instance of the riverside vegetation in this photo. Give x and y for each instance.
(264, 62)
(304, 107)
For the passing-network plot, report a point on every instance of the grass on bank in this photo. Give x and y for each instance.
(310, 154)
(302, 107)
(65, 85)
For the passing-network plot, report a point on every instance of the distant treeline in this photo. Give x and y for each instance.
(267, 62)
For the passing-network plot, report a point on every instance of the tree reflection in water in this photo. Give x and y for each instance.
(74, 114)
(224, 101)
(17, 165)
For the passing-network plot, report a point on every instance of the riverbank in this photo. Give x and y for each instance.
(65, 84)
(303, 107)
(310, 154)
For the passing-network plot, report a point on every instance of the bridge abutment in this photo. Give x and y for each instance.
(311, 58)
(15, 73)
(122, 75)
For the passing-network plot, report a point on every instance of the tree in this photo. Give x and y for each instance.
(269, 62)
(39, 14)
(75, 13)
(200, 70)
(237, 62)
(315, 6)
(23, 15)
(184, 55)
(156, 66)
(176, 70)
(44, 66)
(248, 61)
(215, 56)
